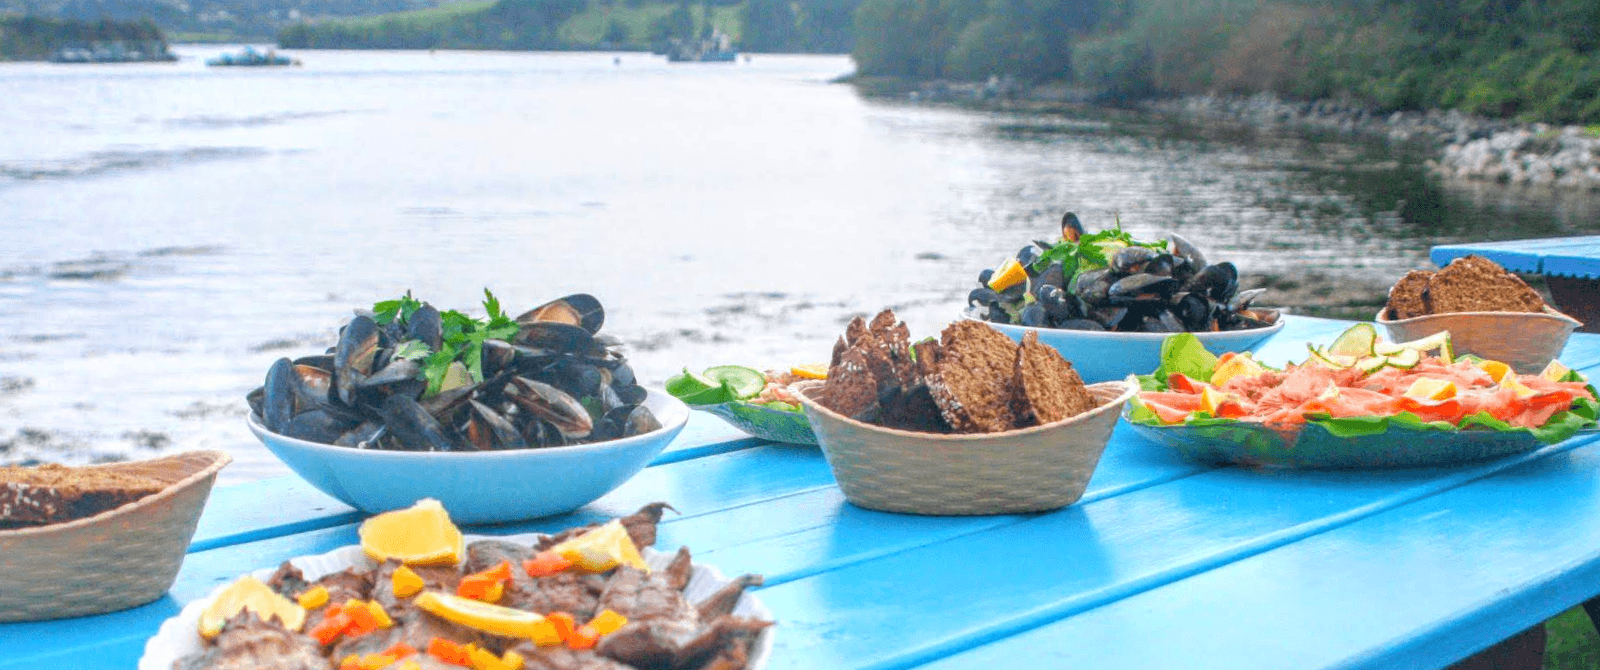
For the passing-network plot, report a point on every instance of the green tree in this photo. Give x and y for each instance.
(771, 26)
(826, 26)
(616, 33)
(676, 24)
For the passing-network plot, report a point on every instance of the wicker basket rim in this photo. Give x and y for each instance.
(218, 460)
(1549, 313)
(1114, 393)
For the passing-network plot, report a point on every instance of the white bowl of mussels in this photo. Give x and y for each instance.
(550, 420)
(1106, 301)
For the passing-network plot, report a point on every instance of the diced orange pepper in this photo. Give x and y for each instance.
(482, 659)
(564, 624)
(512, 660)
(583, 638)
(545, 635)
(476, 586)
(361, 620)
(350, 662)
(406, 582)
(375, 661)
(501, 572)
(400, 650)
(330, 628)
(546, 563)
(607, 622)
(380, 614)
(449, 652)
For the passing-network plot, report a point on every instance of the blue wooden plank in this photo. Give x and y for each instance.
(976, 588)
(1562, 265)
(1420, 586)
(1513, 260)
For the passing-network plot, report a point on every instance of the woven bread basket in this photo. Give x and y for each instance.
(1026, 470)
(1526, 341)
(113, 560)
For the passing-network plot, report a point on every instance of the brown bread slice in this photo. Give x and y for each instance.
(851, 389)
(973, 385)
(1047, 388)
(1408, 297)
(56, 493)
(1477, 284)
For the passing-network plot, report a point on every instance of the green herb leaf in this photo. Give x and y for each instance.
(411, 350)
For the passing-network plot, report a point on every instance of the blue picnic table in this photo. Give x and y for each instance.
(1570, 265)
(1163, 564)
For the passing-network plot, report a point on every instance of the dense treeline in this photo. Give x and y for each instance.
(35, 38)
(1535, 59)
(506, 24)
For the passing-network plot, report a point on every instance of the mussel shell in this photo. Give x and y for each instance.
(1081, 324)
(640, 420)
(983, 296)
(1164, 322)
(1218, 282)
(622, 375)
(353, 357)
(1093, 286)
(985, 276)
(1142, 288)
(1187, 251)
(1193, 311)
(363, 436)
(1032, 316)
(1129, 260)
(631, 394)
(485, 429)
(579, 309)
(1026, 256)
(551, 404)
(1053, 275)
(257, 400)
(426, 327)
(1241, 301)
(558, 337)
(317, 426)
(277, 406)
(1071, 228)
(412, 427)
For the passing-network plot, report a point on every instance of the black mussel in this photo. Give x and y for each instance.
(426, 327)
(278, 397)
(542, 433)
(497, 355)
(353, 357)
(1142, 288)
(412, 427)
(1164, 322)
(1032, 316)
(985, 276)
(632, 394)
(1053, 275)
(1027, 256)
(1193, 311)
(1241, 300)
(983, 296)
(324, 361)
(363, 436)
(257, 400)
(1218, 282)
(1015, 291)
(640, 420)
(555, 336)
(622, 375)
(551, 404)
(317, 426)
(1129, 260)
(1092, 287)
(579, 309)
(607, 399)
(1161, 266)
(1081, 324)
(578, 378)
(1071, 228)
(1260, 317)
(1186, 250)
(998, 314)
(1108, 316)
(1058, 305)
(486, 430)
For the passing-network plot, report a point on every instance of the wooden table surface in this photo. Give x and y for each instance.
(1163, 564)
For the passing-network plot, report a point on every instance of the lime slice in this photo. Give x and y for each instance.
(1357, 340)
(688, 383)
(715, 395)
(742, 381)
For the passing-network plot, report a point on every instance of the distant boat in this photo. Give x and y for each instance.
(715, 49)
(252, 58)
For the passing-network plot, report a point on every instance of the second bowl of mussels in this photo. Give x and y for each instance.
(501, 418)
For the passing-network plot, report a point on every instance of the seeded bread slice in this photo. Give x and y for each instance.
(1047, 388)
(1477, 284)
(56, 493)
(851, 389)
(1408, 297)
(973, 386)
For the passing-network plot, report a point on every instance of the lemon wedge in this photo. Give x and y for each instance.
(602, 549)
(1431, 389)
(810, 371)
(1555, 371)
(492, 619)
(419, 535)
(1240, 365)
(1497, 370)
(1521, 389)
(1010, 274)
(249, 594)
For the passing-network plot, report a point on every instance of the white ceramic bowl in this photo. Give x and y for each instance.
(479, 486)
(1106, 356)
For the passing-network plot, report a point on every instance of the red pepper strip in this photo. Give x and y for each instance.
(330, 628)
(546, 563)
(399, 650)
(583, 638)
(449, 652)
(564, 624)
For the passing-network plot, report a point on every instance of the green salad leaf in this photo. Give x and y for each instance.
(1183, 353)
(459, 359)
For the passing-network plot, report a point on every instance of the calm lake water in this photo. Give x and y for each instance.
(169, 230)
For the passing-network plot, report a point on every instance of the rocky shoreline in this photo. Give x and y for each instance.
(1468, 147)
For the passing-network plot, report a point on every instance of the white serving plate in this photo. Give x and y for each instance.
(179, 636)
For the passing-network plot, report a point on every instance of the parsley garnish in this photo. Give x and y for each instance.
(462, 341)
(1089, 252)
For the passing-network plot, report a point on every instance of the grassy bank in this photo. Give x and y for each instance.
(511, 24)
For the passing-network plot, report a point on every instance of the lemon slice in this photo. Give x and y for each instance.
(1555, 371)
(419, 535)
(1521, 389)
(810, 371)
(1010, 274)
(602, 549)
(1431, 389)
(1497, 370)
(492, 619)
(1235, 366)
(249, 594)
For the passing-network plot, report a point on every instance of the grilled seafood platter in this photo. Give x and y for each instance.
(418, 595)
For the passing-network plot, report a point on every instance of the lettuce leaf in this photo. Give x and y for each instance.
(1184, 354)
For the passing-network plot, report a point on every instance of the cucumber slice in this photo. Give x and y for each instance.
(1438, 341)
(1372, 364)
(742, 381)
(1387, 348)
(1335, 361)
(1357, 340)
(1406, 359)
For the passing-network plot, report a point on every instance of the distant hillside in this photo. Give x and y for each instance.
(811, 25)
(34, 38)
(216, 19)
